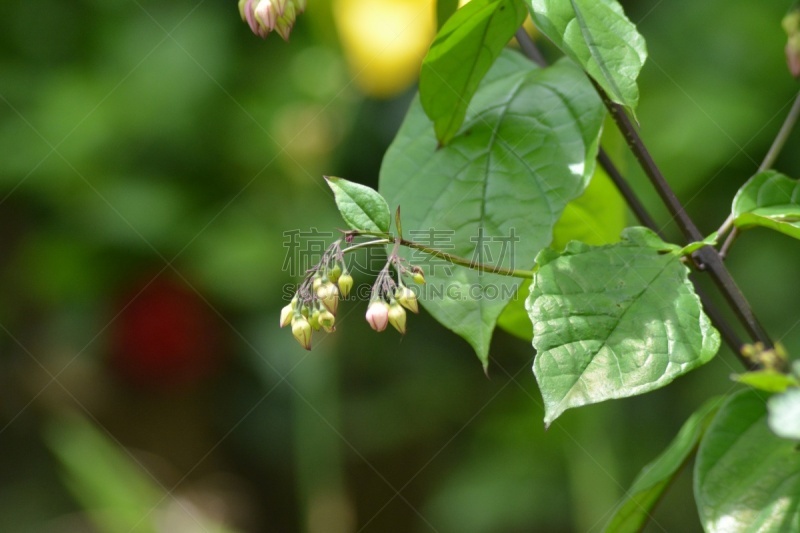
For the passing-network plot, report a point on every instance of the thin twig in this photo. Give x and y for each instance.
(772, 154)
(782, 136)
(707, 258)
(730, 336)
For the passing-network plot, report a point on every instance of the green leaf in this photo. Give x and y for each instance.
(598, 35)
(767, 380)
(633, 512)
(771, 200)
(494, 193)
(784, 414)
(461, 54)
(444, 9)
(692, 247)
(361, 207)
(596, 217)
(746, 478)
(614, 321)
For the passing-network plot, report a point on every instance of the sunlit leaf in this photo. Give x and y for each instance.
(614, 321)
(596, 217)
(598, 35)
(747, 479)
(494, 193)
(634, 511)
(361, 207)
(784, 414)
(461, 54)
(771, 200)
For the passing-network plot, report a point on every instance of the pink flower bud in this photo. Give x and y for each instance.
(397, 317)
(301, 330)
(378, 315)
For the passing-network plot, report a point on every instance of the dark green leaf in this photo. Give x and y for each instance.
(461, 54)
(527, 148)
(784, 414)
(596, 217)
(634, 511)
(444, 9)
(614, 321)
(361, 207)
(771, 200)
(598, 35)
(746, 478)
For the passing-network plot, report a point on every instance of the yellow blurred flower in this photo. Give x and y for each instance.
(384, 41)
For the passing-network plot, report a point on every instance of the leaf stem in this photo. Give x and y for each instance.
(450, 258)
(475, 265)
(782, 136)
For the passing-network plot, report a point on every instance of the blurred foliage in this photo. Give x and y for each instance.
(153, 156)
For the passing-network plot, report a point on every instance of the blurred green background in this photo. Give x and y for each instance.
(153, 156)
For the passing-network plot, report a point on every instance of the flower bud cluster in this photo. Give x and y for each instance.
(265, 16)
(315, 304)
(390, 299)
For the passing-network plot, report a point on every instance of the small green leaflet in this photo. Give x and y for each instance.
(361, 207)
(767, 380)
(633, 512)
(494, 193)
(784, 414)
(598, 35)
(461, 54)
(746, 479)
(614, 321)
(771, 200)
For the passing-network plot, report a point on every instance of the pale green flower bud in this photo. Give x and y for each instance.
(397, 317)
(301, 330)
(328, 294)
(327, 320)
(287, 313)
(418, 276)
(314, 319)
(407, 298)
(378, 315)
(345, 284)
(334, 273)
(285, 22)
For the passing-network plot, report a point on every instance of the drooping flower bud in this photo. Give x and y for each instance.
(345, 284)
(407, 298)
(285, 22)
(327, 320)
(317, 283)
(328, 294)
(378, 315)
(314, 319)
(287, 313)
(417, 275)
(301, 330)
(397, 317)
(264, 16)
(334, 273)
